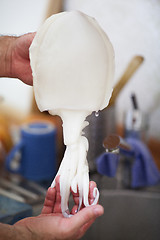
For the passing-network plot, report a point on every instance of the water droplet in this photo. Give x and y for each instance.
(97, 114)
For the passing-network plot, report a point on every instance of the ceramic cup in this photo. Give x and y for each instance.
(36, 151)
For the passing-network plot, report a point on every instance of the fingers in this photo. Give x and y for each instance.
(53, 198)
(74, 209)
(57, 205)
(49, 201)
(28, 38)
(92, 185)
(75, 197)
(84, 218)
(52, 203)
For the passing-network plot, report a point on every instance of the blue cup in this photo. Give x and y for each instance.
(36, 152)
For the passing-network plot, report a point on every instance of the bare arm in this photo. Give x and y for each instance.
(51, 224)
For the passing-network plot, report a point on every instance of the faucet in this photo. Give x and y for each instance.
(117, 145)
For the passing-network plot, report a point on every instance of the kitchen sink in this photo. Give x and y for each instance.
(129, 215)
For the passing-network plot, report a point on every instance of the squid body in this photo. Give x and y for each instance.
(72, 63)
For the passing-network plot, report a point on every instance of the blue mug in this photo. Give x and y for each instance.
(37, 152)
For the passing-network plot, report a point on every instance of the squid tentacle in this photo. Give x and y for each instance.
(74, 171)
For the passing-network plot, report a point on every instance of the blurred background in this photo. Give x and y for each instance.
(133, 28)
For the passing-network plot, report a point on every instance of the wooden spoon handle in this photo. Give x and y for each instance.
(54, 6)
(131, 68)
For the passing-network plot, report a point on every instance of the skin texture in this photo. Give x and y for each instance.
(50, 225)
(14, 56)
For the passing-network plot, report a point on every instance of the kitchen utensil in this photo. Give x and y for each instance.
(130, 70)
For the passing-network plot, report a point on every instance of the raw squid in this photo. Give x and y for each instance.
(72, 62)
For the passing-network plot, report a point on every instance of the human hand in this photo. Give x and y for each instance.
(52, 225)
(20, 62)
(14, 57)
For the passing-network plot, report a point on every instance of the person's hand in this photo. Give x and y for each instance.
(52, 225)
(20, 62)
(14, 57)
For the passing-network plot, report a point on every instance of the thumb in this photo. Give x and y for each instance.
(84, 216)
(28, 38)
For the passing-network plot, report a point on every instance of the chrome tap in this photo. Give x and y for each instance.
(117, 145)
